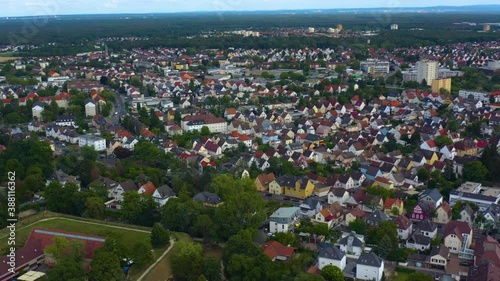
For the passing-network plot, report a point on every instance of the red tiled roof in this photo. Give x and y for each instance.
(272, 249)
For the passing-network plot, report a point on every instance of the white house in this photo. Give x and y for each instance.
(338, 195)
(162, 194)
(99, 144)
(352, 244)
(369, 267)
(37, 110)
(283, 219)
(330, 254)
(418, 242)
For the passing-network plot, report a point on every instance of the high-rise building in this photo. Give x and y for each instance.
(339, 27)
(486, 27)
(310, 30)
(427, 70)
(394, 27)
(438, 84)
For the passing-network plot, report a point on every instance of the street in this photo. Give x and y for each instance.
(119, 107)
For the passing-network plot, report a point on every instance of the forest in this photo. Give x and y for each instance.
(69, 35)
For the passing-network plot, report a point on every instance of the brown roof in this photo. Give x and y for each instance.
(485, 272)
(266, 179)
(456, 227)
(402, 222)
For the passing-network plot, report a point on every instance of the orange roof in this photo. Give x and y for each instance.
(149, 188)
(389, 202)
(272, 249)
(230, 111)
(244, 138)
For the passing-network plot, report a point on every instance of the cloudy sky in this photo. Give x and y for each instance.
(11, 8)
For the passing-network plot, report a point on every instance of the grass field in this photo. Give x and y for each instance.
(130, 234)
(402, 276)
(73, 224)
(8, 56)
(163, 269)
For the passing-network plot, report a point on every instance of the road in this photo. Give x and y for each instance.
(119, 107)
(280, 199)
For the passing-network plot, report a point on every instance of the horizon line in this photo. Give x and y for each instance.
(254, 11)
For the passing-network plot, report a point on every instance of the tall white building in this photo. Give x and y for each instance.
(427, 70)
(99, 144)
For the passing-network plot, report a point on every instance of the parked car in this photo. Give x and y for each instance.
(465, 263)
(269, 194)
(287, 198)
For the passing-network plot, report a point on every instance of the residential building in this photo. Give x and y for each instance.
(310, 207)
(439, 257)
(375, 67)
(97, 143)
(431, 198)
(331, 215)
(393, 207)
(427, 70)
(277, 251)
(443, 213)
(376, 218)
(208, 199)
(37, 110)
(418, 242)
(339, 195)
(404, 226)
(369, 267)
(90, 108)
(426, 228)
(284, 219)
(352, 244)
(330, 254)
(438, 84)
(197, 122)
(263, 180)
(458, 238)
(162, 194)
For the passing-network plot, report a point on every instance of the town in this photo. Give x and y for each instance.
(253, 164)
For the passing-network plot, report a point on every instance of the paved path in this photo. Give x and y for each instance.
(172, 242)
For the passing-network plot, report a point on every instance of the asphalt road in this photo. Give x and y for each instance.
(119, 107)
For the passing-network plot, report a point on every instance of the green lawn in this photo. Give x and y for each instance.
(402, 276)
(130, 235)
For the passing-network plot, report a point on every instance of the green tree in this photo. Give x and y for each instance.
(332, 273)
(423, 175)
(442, 140)
(475, 171)
(358, 226)
(205, 131)
(285, 238)
(142, 254)
(67, 271)
(491, 160)
(94, 208)
(136, 82)
(89, 153)
(187, 259)
(65, 250)
(211, 268)
(105, 266)
(138, 209)
(159, 236)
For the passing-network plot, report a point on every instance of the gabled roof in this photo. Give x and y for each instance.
(456, 227)
(402, 222)
(149, 188)
(370, 259)
(330, 251)
(433, 193)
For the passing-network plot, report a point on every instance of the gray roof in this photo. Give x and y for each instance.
(425, 225)
(330, 251)
(355, 241)
(419, 239)
(377, 216)
(370, 259)
(165, 191)
(433, 193)
(285, 212)
(129, 185)
(207, 197)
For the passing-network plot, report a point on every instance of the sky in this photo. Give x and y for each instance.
(11, 8)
